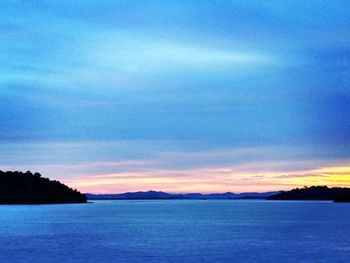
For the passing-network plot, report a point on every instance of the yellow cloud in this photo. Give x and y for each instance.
(219, 179)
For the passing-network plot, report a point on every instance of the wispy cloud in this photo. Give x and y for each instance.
(152, 56)
(176, 166)
(210, 180)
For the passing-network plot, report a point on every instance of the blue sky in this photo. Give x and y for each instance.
(153, 89)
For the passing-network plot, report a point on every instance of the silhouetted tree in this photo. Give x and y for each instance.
(337, 194)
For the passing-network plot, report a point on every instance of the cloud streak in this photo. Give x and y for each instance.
(210, 180)
(185, 168)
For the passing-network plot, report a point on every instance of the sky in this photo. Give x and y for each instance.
(178, 96)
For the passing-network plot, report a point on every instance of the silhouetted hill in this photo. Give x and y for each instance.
(337, 194)
(27, 188)
(163, 195)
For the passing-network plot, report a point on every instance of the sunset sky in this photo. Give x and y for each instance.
(178, 96)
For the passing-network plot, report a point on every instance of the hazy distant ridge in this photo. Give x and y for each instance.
(164, 195)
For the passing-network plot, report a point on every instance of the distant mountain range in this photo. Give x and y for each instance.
(163, 195)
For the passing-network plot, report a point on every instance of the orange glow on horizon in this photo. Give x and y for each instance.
(210, 180)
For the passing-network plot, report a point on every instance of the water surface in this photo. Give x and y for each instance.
(176, 231)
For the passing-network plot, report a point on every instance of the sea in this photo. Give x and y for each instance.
(176, 231)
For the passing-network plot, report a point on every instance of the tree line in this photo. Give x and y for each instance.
(28, 188)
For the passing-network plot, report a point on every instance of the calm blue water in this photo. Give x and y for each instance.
(176, 231)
